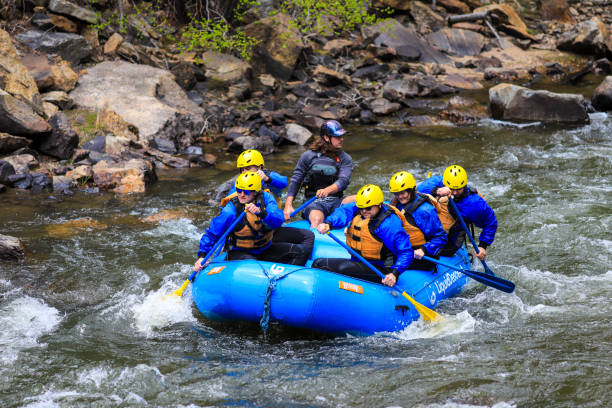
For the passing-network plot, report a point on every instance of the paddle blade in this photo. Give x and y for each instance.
(427, 314)
(490, 280)
(179, 291)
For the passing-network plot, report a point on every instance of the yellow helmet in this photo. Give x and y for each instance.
(250, 158)
(454, 177)
(369, 195)
(249, 181)
(402, 180)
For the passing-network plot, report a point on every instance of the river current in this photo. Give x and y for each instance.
(83, 321)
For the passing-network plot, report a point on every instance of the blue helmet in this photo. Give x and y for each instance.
(332, 128)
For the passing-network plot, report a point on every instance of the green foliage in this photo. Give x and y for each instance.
(326, 17)
(206, 34)
(139, 17)
(243, 6)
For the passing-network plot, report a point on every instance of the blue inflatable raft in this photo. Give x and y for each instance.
(319, 300)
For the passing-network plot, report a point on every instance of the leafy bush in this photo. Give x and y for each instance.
(206, 34)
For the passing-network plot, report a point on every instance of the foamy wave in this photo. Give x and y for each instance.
(448, 326)
(23, 321)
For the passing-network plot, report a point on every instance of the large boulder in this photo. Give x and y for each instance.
(14, 76)
(224, 69)
(512, 102)
(509, 20)
(10, 143)
(279, 47)
(602, 96)
(73, 10)
(591, 37)
(143, 96)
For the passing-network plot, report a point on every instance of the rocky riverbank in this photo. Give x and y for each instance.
(84, 107)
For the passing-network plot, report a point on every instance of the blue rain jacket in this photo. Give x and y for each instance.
(276, 184)
(426, 218)
(390, 231)
(472, 207)
(273, 219)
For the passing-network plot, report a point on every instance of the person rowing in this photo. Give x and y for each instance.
(376, 232)
(325, 170)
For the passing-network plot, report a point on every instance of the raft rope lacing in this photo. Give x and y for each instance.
(265, 317)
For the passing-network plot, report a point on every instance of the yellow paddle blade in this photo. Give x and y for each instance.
(426, 313)
(179, 291)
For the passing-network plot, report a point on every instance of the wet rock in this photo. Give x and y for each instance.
(267, 132)
(457, 42)
(297, 134)
(11, 248)
(22, 163)
(71, 47)
(420, 121)
(264, 144)
(145, 97)
(411, 86)
(511, 102)
(161, 157)
(80, 173)
(206, 160)
(63, 139)
(41, 182)
(602, 96)
(62, 184)
(6, 170)
(10, 143)
(166, 215)
(279, 48)
(21, 181)
(460, 116)
(128, 177)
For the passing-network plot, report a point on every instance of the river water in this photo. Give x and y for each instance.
(83, 322)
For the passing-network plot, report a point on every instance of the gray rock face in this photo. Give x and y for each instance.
(143, 96)
(602, 96)
(511, 102)
(591, 37)
(71, 47)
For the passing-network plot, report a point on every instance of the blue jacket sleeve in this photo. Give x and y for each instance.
(345, 172)
(395, 238)
(277, 181)
(299, 173)
(274, 217)
(429, 184)
(476, 210)
(217, 227)
(342, 216)
(426, 218)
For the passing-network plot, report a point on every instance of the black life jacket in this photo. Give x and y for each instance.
(323, 172)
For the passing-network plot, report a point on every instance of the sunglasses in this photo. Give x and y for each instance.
(366, 208)
(245, 192)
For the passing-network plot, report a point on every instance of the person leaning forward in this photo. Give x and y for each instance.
(376, 232)
(471, 205)
(325, 170)
(253, 236)
(423, 224)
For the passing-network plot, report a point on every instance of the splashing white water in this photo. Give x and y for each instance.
(448, 326)
(161, 309)
(23, 321)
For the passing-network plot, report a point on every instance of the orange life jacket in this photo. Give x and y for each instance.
(361, 234)
(250, 233)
